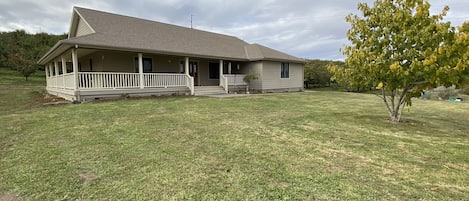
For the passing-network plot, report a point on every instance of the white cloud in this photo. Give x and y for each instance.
(304, 28)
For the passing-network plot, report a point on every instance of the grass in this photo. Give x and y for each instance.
(17, 94)
(295, 146)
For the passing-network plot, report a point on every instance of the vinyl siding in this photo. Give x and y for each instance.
(165, 64)
(254, 67)
(271, 76)
(204, 74)
(117, 62)
(105, 61)
(83, 28)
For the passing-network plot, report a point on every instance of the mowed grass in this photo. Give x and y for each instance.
(292, 146)
(17, 94)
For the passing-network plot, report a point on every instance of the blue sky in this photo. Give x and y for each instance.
(303, 28)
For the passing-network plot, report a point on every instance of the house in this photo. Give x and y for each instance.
(109, 55)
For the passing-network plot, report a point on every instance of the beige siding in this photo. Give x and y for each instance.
(83, 28)
(165, 64)
(204, 74)
(254, 67)
(96, 62)
(271, 76)
(106, 61)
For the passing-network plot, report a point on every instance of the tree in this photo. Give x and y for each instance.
(316, 73)
(29, 46)
(399, 48)
(24, 66)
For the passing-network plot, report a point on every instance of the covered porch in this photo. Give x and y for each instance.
(83, 74)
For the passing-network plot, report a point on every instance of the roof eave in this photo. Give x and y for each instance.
(300, 61)
(47, 57)
(149, 51)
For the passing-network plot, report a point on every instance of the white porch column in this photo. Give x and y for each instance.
(221, 68)
(140, 69)
(64, 71)
(186, 65)
(49, 68)
(75, 67)
(46, 68)
(56, 69)
(64, 65)
(229, 68)
(220, 73)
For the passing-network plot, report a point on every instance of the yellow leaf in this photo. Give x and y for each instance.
(380, 85)
(395, 66)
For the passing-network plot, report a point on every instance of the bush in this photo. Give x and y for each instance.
(249, 77)
(465, 89)
(444, 93)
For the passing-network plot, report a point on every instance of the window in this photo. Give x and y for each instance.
(213, 71)
(285, 70)
(147, 65)
(182, 67)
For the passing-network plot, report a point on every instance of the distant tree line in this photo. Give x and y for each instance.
(21, 51)
(317, 73)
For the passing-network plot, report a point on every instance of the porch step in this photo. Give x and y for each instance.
(208, 90)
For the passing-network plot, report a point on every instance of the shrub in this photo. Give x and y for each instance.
(465, 89)
(444, 93)
(248, 78)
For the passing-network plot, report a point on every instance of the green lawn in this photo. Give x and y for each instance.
(17, 94)
(294, 146)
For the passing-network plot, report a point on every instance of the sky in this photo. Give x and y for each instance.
(311, 29)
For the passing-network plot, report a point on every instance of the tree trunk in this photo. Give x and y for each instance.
(393, 103)
(394, 117)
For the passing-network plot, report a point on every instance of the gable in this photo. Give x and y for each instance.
(83, 28)
(78, 26)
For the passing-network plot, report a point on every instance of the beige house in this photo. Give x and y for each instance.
(109, 55)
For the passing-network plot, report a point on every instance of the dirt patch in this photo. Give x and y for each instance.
(87, 177)
(41, 99)
(10, 197)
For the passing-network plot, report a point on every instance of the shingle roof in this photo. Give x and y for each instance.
(113, 31)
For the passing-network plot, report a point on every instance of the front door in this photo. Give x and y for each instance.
(193, 71)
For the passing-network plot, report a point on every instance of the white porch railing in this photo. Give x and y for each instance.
(111, 80)
(92, 80)
(164, 80)
(69, 83)
(64, 81)
(235, 79)
(224, 82)
(190, 83)
(52, 82)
